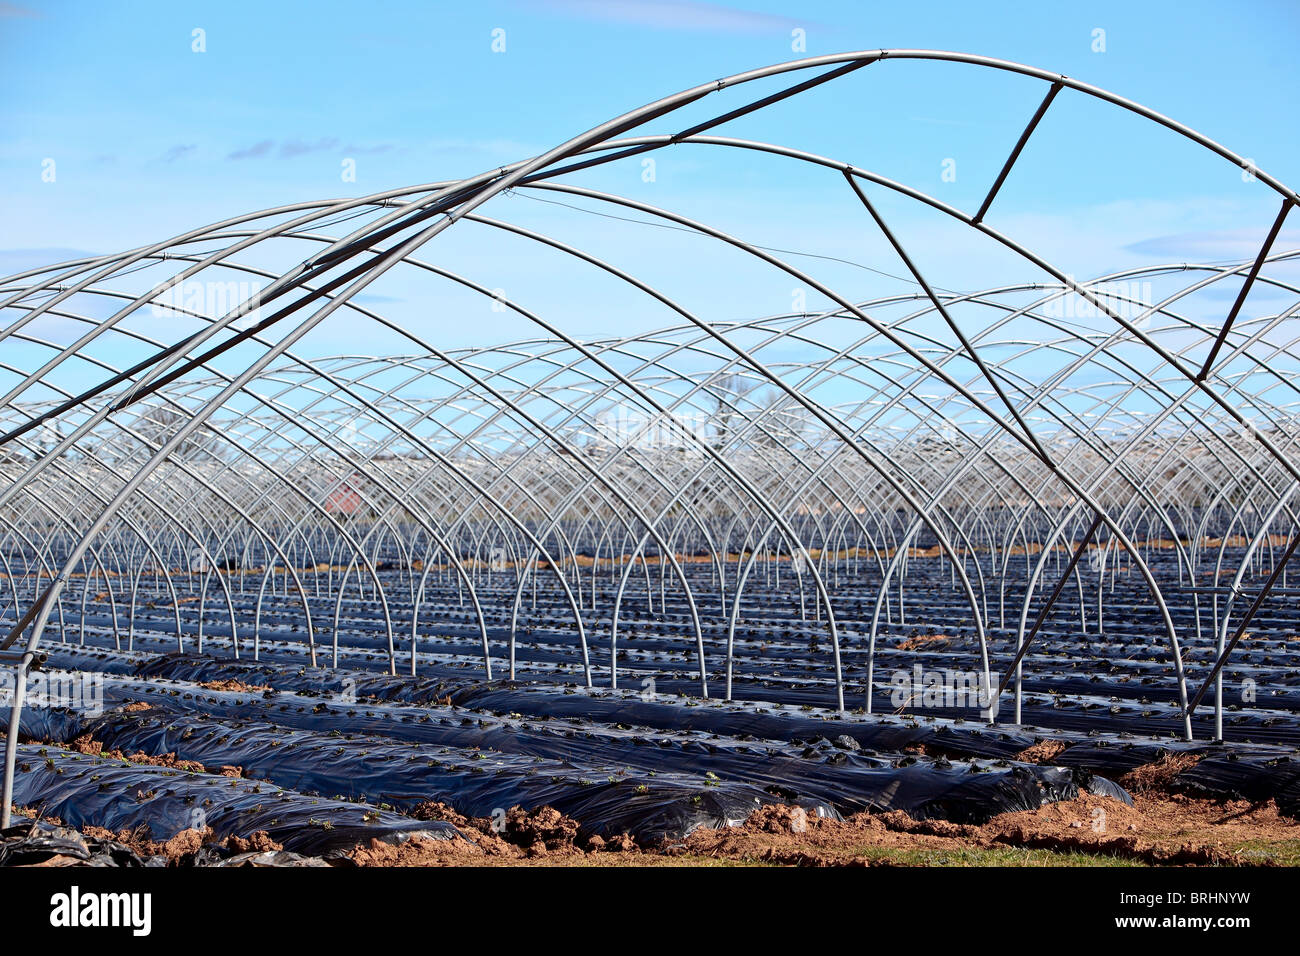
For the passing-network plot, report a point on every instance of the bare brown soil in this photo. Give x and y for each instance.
(180, 849)
(931, 642)
(86, 744)
(1162, 827)
(235, 685)
(1045, 751)
(1159, 829)
(1151, 833)
(1159, 775)
(520, 837)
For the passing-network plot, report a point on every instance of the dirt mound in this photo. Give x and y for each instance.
(900, 822)
(542, 830)
(178, 850)
(185, 844)
(767, 837)
(1156, 829)
(522, 832)
(934, 642)
(478, 829)
(1160, 775)
(418, 852)
(1044, 751)
(1087, 811)
(181, 849)
(775, 818)
(258, 842)
(235, 685)
(88, 745)
(535, 836)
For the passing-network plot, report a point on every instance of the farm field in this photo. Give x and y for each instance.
(438, 442)
(347, 761)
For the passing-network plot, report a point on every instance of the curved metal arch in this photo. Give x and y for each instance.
(1097, 464)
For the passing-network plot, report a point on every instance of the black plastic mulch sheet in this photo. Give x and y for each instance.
(1255, 777)
(1065, 701)
(284, 676)
(831, 772)
(736, 719)
(1224, 772)
(88, 657)
(580, 726)
(83, 790)
(606, 801)
(42, 843)
(49, 724)
(1256, 772)
(38, 842)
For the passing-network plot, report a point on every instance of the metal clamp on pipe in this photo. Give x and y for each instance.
(35, 660)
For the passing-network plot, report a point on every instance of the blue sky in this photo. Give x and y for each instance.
(150, 138)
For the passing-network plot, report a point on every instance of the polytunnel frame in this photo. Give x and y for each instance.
(1218, 272)
(458, 200)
